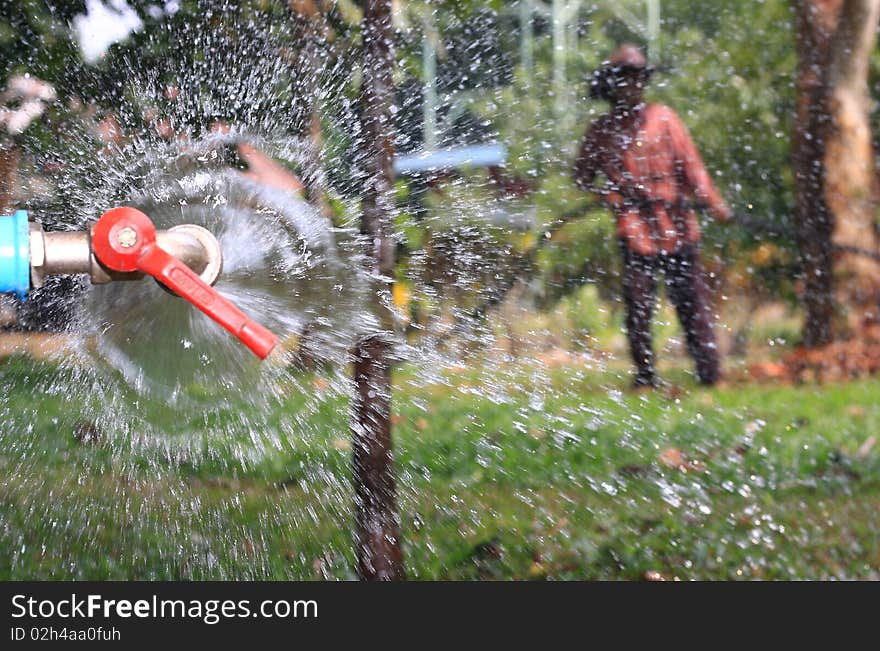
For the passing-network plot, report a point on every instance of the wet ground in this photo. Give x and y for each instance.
(517, 471)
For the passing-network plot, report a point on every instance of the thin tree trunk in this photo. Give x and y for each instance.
(850, 175)
(379, 552)
(816, 22)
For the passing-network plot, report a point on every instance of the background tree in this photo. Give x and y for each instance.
(379, 552)
(833, 162)
(851, 176)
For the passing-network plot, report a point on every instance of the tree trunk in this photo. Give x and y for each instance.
(850, 175)
(379, 552)
(816, 22)
(832, 159)
(9, 159)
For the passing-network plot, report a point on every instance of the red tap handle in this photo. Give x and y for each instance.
(124, 239)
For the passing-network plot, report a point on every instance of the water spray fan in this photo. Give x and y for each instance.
(124, 245)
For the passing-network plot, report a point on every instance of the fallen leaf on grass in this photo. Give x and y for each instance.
(675, 458)
(866, 447)
(672, 458)
(768, 371)
(856, 411)
(672, 392)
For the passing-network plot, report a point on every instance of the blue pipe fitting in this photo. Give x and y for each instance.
(15, 254)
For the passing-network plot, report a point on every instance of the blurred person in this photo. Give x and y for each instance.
(651, 170)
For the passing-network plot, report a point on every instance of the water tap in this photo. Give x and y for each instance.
(124, 245)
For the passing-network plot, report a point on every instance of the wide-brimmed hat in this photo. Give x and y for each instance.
(626, 58)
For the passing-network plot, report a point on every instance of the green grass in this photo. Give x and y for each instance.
(504, 472)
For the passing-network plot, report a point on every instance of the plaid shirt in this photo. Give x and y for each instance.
(651, 168)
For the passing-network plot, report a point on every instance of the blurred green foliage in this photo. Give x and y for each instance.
(35, 37)
(728, 71)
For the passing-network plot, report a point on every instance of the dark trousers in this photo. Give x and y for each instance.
(687, 290)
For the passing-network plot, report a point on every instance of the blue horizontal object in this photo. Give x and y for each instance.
(15, 254)
(445, 159)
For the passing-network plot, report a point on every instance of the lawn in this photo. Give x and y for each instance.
(514, 471)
